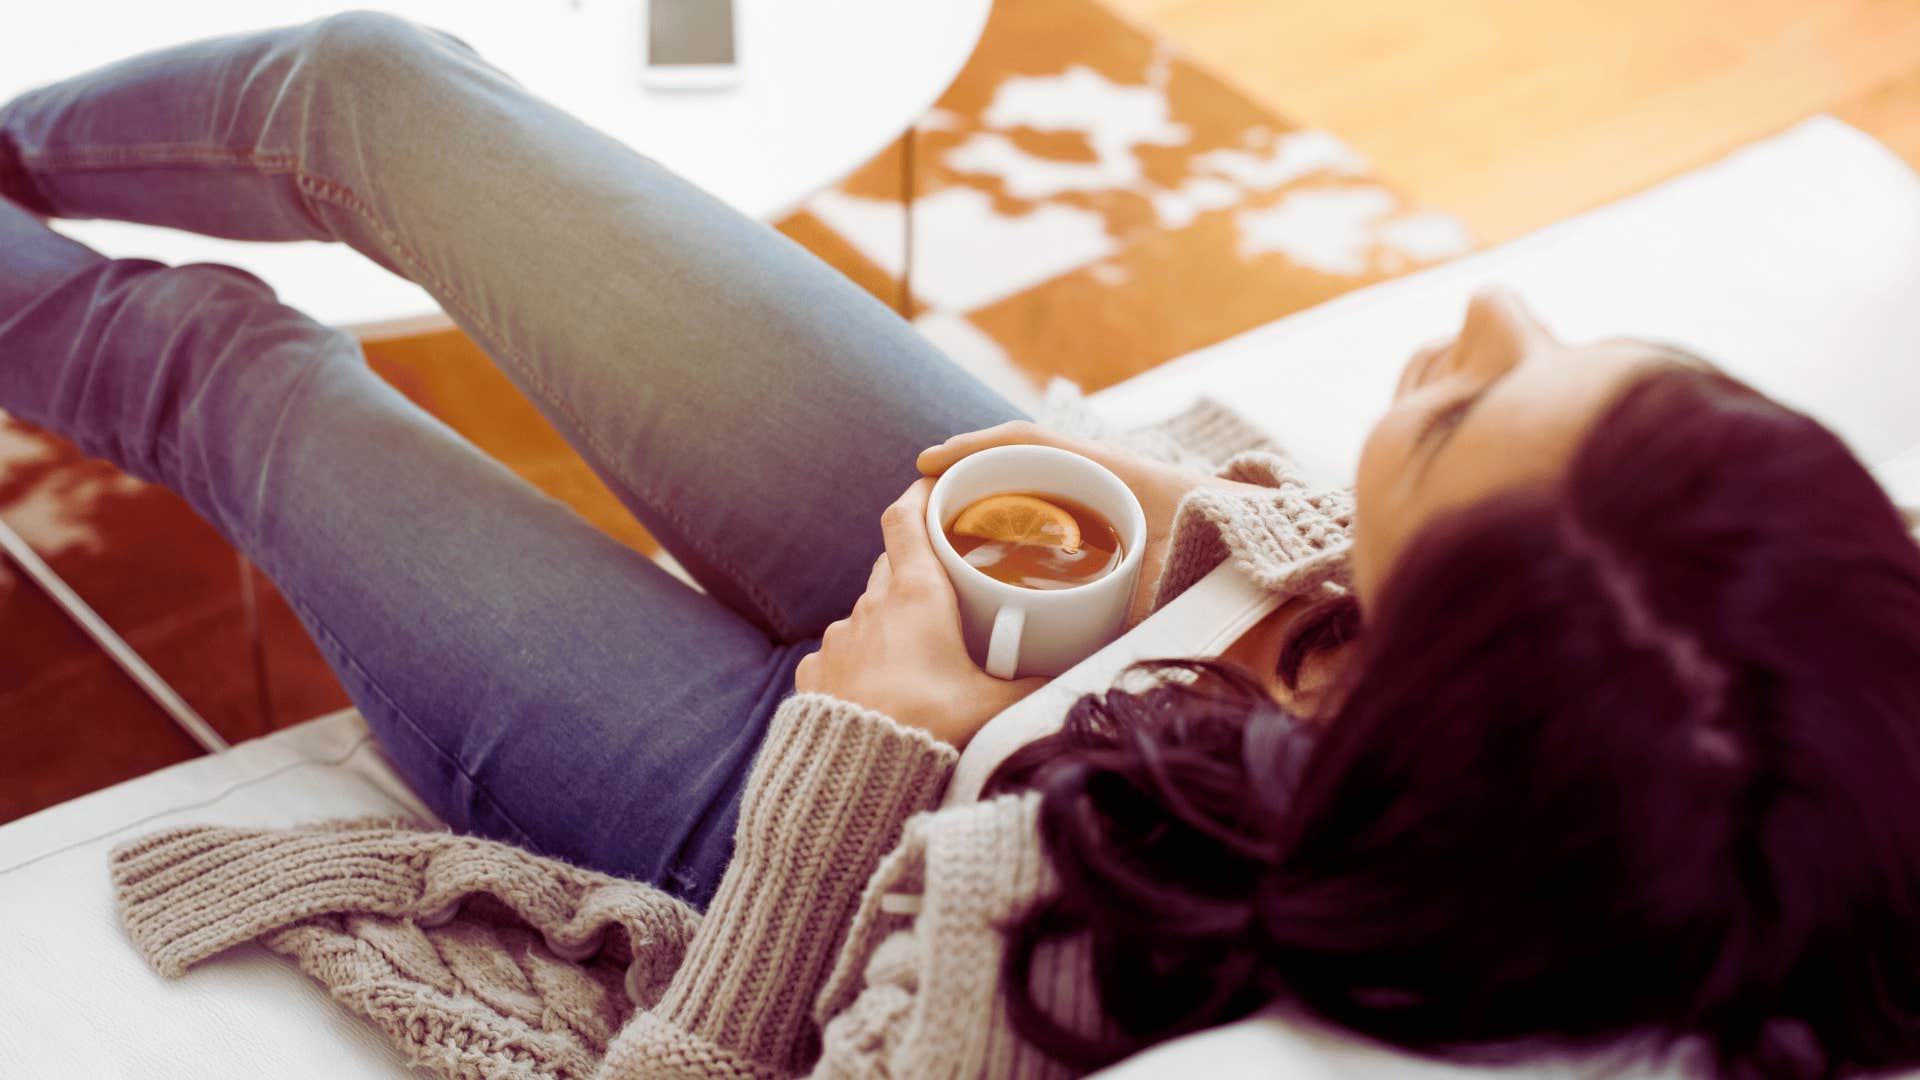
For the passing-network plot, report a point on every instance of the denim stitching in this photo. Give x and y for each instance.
(773, 690)
(345, 198)
(321, 630)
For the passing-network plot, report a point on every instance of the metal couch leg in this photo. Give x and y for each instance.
(176, 707)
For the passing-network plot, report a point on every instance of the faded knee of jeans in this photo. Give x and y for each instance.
(366, 49)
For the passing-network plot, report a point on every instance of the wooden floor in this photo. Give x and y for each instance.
(1517, 113)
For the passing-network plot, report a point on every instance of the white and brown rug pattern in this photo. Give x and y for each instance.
(1088, 204)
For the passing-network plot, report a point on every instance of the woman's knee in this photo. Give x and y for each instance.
(349, 47)
(200, 360)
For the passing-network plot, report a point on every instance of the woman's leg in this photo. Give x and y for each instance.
(754, 409)
(534, 680)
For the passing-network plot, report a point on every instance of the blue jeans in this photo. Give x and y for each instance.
(532, 679)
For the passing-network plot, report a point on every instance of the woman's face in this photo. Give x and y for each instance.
(1502, 406)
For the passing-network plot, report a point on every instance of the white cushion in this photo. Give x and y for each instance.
(1794, 263)
(79, 1002)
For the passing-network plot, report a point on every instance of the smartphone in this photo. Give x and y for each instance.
(692, 43)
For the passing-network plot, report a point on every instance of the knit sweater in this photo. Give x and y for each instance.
(856, 931)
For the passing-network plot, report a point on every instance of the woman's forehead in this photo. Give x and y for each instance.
(1526, 429)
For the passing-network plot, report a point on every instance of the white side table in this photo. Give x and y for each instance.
(827, 84)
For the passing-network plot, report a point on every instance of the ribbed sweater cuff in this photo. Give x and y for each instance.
(189, 893)
(650, 1048)
(829, 793)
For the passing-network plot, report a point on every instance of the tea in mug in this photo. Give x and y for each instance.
(1035, 541)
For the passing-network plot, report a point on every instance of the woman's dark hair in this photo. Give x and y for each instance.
(1628, 760)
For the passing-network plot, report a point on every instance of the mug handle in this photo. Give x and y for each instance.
(1003, 642)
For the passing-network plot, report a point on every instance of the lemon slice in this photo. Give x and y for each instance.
(1019, 519)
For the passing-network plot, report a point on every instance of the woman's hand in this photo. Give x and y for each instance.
(900, 652)
(1157, 485)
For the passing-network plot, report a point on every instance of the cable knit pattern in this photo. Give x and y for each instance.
(855, 933)
(476, 958)
(1289, 538)
(963, 873)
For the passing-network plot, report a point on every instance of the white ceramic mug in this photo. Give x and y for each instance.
(1013, 631)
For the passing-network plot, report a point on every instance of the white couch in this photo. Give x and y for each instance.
(1795, 262)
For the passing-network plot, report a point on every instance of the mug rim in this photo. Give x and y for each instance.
(1136, 514)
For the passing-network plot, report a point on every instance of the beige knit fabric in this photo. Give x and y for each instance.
(476, 958)
(853, 934)
(923, 955)
(1293, 541)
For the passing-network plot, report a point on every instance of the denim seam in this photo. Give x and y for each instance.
(344, 197)
(773, 691)
(320, 627)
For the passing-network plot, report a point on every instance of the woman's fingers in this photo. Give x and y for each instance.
(878, 578)
(935, 460)
(910, 557)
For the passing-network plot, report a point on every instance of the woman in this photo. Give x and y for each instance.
(1624, 751)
